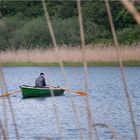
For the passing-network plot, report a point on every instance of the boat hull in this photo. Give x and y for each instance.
(29, 92)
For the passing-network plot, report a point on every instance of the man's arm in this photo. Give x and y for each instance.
(44, 82)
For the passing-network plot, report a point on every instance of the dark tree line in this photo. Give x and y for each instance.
(22, 23)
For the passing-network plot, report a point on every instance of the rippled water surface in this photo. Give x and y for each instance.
(66, 117)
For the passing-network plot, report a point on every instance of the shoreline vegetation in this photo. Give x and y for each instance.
(132, 63)
(25, 35)
(71, 56)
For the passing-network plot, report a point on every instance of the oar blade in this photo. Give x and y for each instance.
(81, 93)
(4, 95)
(7, 94)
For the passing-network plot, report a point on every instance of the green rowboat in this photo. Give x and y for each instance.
(30, 91)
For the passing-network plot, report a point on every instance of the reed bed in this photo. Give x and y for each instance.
(69, 54)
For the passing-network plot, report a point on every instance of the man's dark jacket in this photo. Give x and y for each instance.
(40, 82)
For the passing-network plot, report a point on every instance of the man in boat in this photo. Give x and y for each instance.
(40, 81)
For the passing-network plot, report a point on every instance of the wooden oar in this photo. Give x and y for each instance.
(7, 94)
(77, 92)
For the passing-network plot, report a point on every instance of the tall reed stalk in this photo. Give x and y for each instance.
(69, 54)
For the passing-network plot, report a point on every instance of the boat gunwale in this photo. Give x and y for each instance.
(47, 88)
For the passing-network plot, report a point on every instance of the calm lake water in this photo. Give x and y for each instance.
(65, 117)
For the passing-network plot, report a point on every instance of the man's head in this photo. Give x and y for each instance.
(42, 74)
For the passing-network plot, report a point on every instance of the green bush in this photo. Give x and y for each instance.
(3, 36)
(17, 32)
(8, 32)
(129, 35)
(66, 31)
(34, 33)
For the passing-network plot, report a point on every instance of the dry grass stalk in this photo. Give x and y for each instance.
(70, 54)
